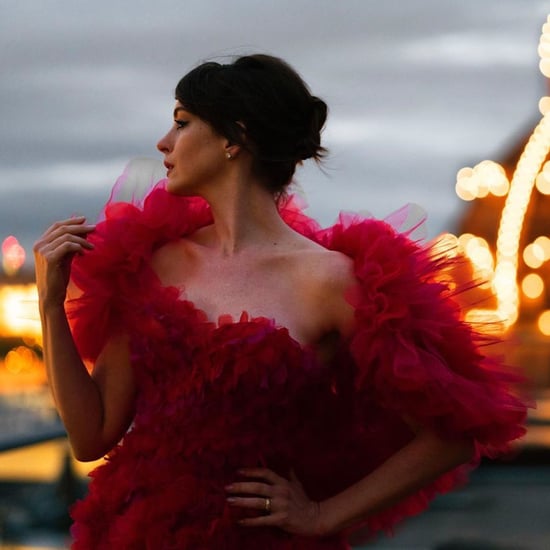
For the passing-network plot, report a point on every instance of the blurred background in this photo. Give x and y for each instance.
(420, 93)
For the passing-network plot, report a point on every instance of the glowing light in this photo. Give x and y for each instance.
(477, 250)
(544, 49)
(543, 183)
(544, 102)
(533, 255)
(13, 255)
(446, 245)
(543, 242)
(464, 187)
(532, 285)
(464, 239)
(21, 359)
(544, 322)
(19, 312)
(484, 178)
(521, 188)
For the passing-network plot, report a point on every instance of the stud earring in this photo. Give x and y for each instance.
(228, 156)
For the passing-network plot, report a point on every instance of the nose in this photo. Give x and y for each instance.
(163, 144)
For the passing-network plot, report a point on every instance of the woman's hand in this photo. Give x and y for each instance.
(53, 253)
(283, 503)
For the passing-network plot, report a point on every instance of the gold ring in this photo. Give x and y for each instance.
(267, 505)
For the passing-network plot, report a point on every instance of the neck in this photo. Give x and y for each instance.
(245, 216)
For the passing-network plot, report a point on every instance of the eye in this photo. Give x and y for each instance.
(181, 123)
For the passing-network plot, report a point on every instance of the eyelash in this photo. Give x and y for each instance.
(180, 123)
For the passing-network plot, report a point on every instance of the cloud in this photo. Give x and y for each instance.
(413, 89)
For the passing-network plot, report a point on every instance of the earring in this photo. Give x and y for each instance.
(228, 155)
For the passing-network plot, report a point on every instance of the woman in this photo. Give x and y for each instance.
(256, 381)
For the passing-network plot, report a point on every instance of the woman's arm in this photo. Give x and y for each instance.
(96, 409)
(417, 464)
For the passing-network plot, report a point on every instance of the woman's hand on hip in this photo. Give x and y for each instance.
(282, 502)
(53, 253)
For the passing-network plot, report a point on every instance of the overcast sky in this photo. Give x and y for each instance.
(416, 89)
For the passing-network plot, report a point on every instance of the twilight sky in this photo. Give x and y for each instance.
(417, 89)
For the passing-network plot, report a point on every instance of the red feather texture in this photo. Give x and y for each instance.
(216, 397)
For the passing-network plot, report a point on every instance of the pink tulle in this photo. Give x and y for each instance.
(213, 398)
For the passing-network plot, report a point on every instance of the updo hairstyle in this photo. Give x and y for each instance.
(262, 104)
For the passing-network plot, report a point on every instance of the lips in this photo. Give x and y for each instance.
(168, 167)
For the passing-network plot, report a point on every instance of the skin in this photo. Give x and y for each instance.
(266, 269)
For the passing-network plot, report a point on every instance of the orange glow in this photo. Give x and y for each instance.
(532, 285)
(533, 255)
(478, 252)
(544, 242)
(21, 359)
(544, 322)
(543, 179)
(19, 312)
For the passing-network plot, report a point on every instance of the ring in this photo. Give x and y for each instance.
(267, 506)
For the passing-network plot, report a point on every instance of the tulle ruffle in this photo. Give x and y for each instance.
(214, 397)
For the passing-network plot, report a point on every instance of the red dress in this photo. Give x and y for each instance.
(216, 397)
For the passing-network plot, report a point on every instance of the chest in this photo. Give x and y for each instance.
(260, 293)
(276, 288)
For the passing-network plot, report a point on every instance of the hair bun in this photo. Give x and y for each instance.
(310, 145)
(319, 115)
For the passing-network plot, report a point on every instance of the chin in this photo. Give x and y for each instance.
(180, 189)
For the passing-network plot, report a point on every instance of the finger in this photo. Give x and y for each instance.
(57, 232)
(251, 503)
(272, 520)
(250, 488)
(69, 237)
(55, 240)
(62, 253)
(72, 224)
(63, 245)
(263, 473)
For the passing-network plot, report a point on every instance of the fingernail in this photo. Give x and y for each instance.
(231, 500)
(229, 487)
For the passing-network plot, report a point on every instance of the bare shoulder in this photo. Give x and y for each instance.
(162, 260)
(327, 275)
(329, 268)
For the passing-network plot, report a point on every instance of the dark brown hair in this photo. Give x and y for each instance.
(262, 104)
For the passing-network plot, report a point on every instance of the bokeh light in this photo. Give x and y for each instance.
(533, 255)
(19, 312)
(532, 285)
(484, 178)
(13, 255)
(544, 322)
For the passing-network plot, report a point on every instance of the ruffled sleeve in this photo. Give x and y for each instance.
(413, 349)
(105, 281)
(416, 358)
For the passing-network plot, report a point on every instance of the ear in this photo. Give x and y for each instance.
(232, 150)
